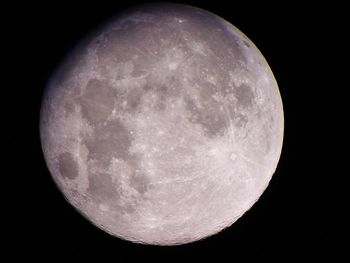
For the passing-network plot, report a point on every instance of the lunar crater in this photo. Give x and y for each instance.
(244, 95)
(97, 101)
(112, 139)
(67, 165)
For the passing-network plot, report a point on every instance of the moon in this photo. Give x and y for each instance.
(164, 126)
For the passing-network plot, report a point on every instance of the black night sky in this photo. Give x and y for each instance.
(302, 212)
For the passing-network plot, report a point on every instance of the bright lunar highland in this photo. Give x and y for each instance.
(163, 126)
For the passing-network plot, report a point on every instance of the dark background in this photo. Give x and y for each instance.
(301, 213)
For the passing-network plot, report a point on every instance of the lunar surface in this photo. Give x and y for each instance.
(164, 126)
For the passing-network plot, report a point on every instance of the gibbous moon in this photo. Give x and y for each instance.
(164, 126)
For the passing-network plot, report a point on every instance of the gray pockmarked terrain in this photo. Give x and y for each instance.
(164, 126)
